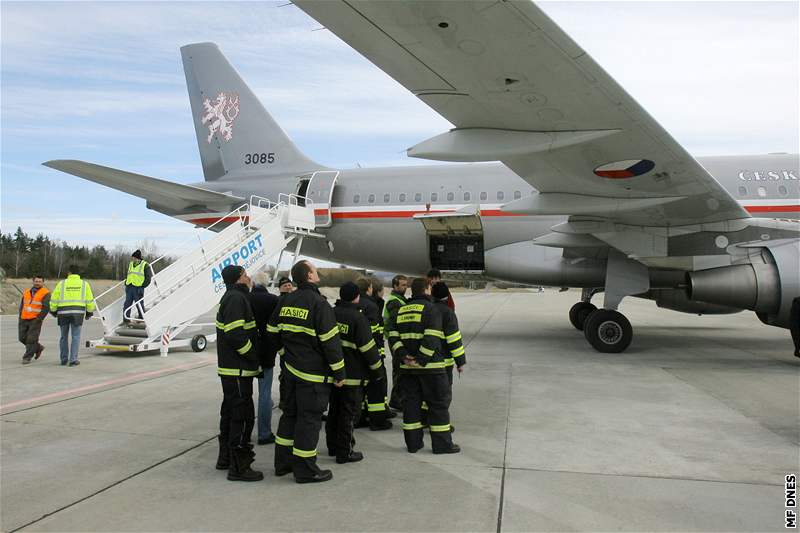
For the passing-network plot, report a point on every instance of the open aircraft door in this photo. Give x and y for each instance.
(320, 191)
(455, 240)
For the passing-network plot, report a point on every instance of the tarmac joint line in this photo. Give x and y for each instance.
(92, 495)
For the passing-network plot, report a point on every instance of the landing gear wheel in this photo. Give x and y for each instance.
(579, 313)
(199, 343)
(608, 331)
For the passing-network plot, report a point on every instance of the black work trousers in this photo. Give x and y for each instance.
(375, 393)
(237, 414)
(29, 331)
(434, 389)
(398, 394)
(303, 403)
(343, 412)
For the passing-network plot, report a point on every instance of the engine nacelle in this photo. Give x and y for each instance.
(525, 262)
(677, 300)
(766, 285)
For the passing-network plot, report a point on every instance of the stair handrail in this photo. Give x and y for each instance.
(254, 200)
(178, 303)
(236, 212)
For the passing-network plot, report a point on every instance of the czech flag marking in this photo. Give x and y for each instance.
(625, 169)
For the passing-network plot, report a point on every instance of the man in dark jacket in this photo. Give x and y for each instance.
(396, 299)
(137, 279)
(304, 332)
(263, 304)
(237, 364)
(416, 338)
(794, 325)
(363, 365)
(434, 277)
(452, 345)
(375, 412)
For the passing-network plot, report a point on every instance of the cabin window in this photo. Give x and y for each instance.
(418, 197)
(742, 191)
(402, 197)
(371, 198)
(517, 195)
(762, 191)
(450, 197)
(356, 198)
(500, 195)
(467, 196)
(434, 197)
(782, 190)
(386, 198)
(484, 196)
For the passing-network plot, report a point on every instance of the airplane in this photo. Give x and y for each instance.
(558, 176)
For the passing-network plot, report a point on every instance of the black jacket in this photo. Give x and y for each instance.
(236, 334)
(303, 330)
(369, 307)
(390, 308)
(452, 346)
(263, 304)
(361, 358)
(417, 332)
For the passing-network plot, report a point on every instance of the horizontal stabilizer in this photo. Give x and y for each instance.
(154, 190)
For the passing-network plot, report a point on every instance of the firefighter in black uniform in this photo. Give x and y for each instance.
(452, 345)
(303, 329)
(363, 365)
(417, 338)
(237, 364)
(396, 299)
(794, 325)
(375, 412)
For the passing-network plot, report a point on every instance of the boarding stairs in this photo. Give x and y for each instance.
(253, 235)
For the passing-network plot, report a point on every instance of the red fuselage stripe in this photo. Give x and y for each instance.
(484, 213)
(772, 208)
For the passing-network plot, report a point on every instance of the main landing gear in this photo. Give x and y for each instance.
(606, 329)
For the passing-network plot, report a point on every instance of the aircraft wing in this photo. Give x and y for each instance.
(156, 191)
(519, 90)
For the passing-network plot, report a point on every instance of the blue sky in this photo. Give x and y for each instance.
(103, 82)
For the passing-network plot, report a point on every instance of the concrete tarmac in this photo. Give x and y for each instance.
(692, 429)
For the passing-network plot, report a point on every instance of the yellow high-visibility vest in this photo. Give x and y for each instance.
(136, 274)
(72, 296)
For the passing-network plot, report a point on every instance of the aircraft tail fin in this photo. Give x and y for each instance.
(235, 133)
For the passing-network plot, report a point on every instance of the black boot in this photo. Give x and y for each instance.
(317, 477)
(241, 459)
(454, 448)
(224, 457)
(354, 457)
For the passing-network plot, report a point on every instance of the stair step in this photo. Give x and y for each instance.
(134, 325)
(123, 339)
(131, 332)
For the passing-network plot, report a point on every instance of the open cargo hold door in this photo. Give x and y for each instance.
(455, 240)
(320, 191)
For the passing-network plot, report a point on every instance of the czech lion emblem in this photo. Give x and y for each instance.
(220, 115)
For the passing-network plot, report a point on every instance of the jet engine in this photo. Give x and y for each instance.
(766, 285)
(677, 300)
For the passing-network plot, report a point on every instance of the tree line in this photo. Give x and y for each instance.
(23, 256)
